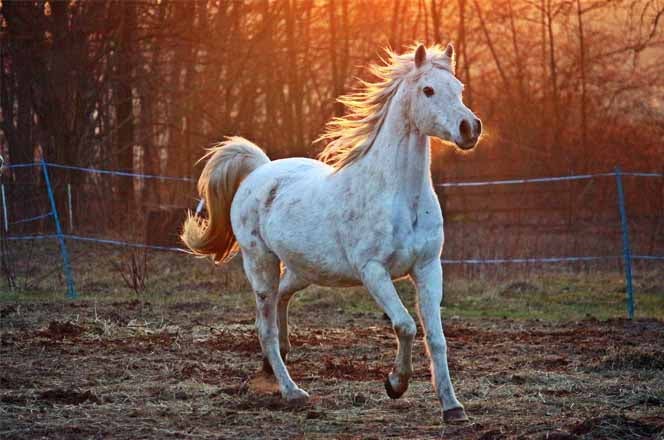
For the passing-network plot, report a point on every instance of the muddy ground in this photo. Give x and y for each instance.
(134, 369)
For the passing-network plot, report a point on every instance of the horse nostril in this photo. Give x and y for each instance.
(464, 129)
(478, 124)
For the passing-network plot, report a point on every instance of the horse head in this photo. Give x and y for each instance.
(437, 108)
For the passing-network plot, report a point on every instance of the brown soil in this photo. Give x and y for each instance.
(137, 370)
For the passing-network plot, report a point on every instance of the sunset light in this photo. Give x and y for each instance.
(332, 219)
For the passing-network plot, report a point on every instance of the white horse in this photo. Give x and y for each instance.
(365, 214)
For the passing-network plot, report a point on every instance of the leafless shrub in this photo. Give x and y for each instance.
(134, 270)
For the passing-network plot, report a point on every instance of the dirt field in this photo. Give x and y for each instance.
(179, 369)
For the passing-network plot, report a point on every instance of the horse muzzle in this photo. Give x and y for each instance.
(469, 133)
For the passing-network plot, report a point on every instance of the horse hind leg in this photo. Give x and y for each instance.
(289, 285)
(262, 270)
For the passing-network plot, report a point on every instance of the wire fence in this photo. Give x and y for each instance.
(474, 218)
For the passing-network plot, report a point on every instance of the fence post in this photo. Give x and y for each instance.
(4, 207)
(200, 206)
(71, 290)
(69, 209)
(627, 251)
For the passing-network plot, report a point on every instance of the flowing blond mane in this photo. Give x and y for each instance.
(352, 136)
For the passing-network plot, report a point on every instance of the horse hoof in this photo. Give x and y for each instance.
(394, 394)
(297, 396)
(455, 415)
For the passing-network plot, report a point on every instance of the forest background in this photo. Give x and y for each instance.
(563, 86)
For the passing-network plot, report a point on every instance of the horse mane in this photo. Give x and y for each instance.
(352, 136)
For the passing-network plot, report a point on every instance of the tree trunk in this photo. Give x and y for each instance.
(149, 118)
(492, 48)
(436, 20)
(394, 27)
(582, 72)
(125, 120)
(272, 121)
(295, 97)
(520, 71)
(336, 80)
(553, 74)
(463, 54)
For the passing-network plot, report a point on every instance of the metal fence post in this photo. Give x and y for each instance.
(69, 209)
(200, 206)
(4, 207)
(71, 290)
(627, 251)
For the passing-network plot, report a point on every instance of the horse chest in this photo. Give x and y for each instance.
(409, 244)
(395, 242)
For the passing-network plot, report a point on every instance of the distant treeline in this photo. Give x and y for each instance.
(562, 85)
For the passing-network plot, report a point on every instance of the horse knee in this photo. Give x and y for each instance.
(263, 297)
(437, 345)
(406, 329)
(268, 333)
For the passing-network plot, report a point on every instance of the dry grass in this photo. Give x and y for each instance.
(180, 369)
(529, 356)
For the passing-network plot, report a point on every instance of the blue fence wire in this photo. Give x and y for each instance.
(530, 180)
(21, 165)
(98, 240)
(126, 243)
(30, 237)
(446, 184)
(32, 219)
(617, 173)
(527, 260)
(547, 179)
(633, 174)
(102, 171)
(648, 257)
(443, 260)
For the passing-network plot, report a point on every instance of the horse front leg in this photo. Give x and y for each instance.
(428, 279)
(379, 283)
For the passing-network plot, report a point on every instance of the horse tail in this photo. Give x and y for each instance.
(228, 163)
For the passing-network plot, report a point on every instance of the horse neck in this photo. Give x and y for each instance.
(400, 159)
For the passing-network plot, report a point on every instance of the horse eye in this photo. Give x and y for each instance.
(428, 91)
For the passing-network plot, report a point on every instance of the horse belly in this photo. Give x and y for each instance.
(326, 269)
(300, 232)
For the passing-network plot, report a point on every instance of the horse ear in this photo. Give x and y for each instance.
(420, 56)
(449, 51)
